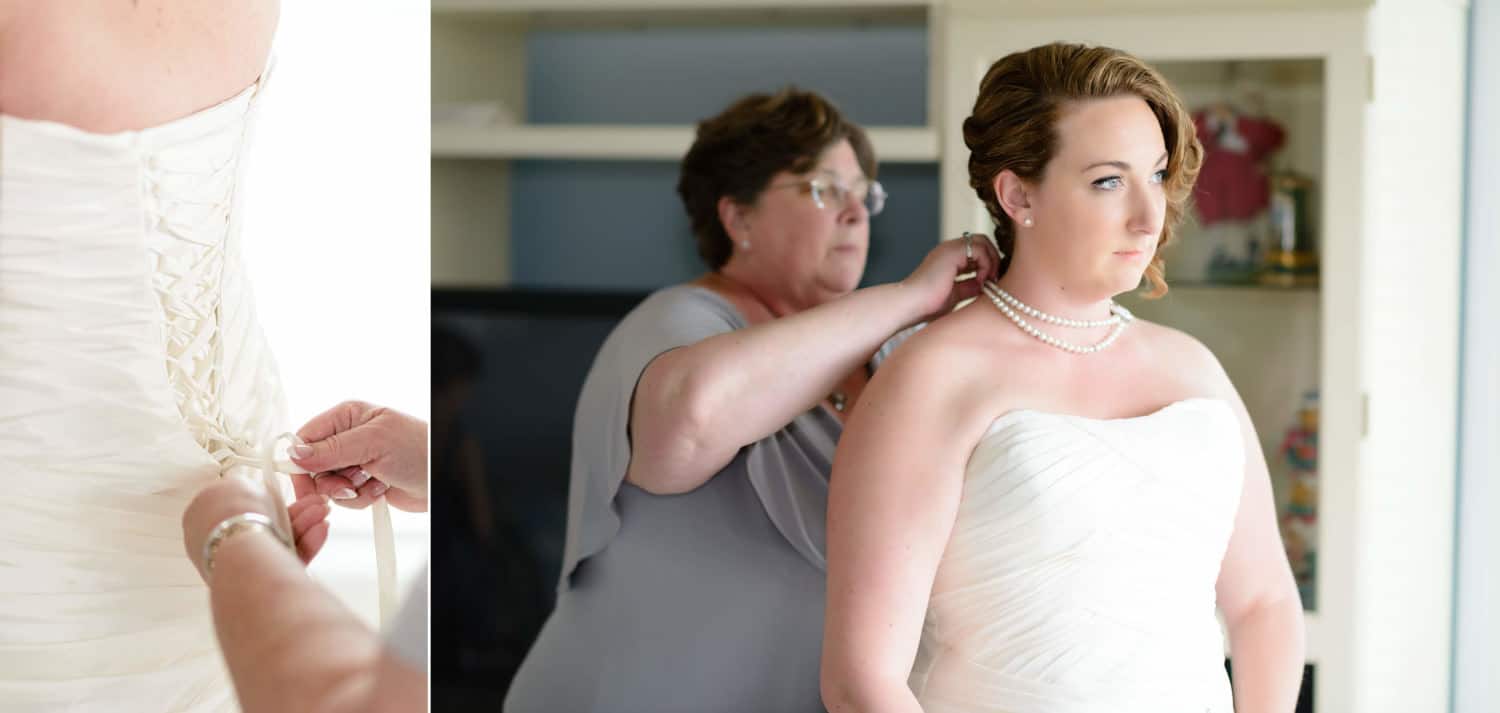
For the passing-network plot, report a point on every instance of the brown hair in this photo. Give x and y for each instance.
(737, 152)
(1014, 126)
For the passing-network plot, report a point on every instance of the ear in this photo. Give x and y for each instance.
(735, 218)
(1014, 194)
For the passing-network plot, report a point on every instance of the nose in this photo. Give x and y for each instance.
(853, 211)
(1148, 210)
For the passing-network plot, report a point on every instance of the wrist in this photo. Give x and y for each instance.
(916, 304)
(235, 528)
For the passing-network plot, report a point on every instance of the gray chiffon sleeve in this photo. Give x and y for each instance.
(896, 340)
(671, 318)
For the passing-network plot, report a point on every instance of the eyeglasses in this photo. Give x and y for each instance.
(828, 191)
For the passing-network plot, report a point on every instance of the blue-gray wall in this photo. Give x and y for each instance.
(618, 225)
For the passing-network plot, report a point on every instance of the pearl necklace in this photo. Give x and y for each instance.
(1119, 317)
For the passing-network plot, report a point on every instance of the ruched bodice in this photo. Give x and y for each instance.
(1080, 574)
(132, 373)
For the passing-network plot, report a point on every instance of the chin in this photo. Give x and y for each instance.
(1122, 284)
(845, 278)
(843, 284)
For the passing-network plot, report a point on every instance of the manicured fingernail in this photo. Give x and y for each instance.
(379, 489)
(359, 478)
(343, 494)
(300, 451)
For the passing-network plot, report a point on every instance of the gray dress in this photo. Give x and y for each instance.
(710, 600)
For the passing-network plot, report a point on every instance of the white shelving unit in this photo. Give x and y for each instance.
(479, 61)
(643, 143)
(1371, 94)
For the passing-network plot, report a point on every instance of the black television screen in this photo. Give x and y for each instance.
(507, 367)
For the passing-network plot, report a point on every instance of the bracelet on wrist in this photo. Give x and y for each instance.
(234, 525)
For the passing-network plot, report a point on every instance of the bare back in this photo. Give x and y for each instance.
(116, 65)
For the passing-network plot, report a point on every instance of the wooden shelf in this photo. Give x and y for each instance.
(637, 6)
(659, 143)
(578, 14)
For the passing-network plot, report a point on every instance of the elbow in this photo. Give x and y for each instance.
(1281, 614)
(838, 692)
(679, 446)
(691, 404)
(846, 690)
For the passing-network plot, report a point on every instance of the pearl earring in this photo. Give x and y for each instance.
(744, 244)
(1027, 222)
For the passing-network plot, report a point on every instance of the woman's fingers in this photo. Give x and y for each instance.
(339, 484)
(309, 516)
(338, 419)
(302, 485)
(366, 494)
(312, 542)
(337, 438)
(373, 489)
(965, 290)
(986, 259)
(307, 512)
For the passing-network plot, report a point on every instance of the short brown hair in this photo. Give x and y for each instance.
(1014, 126)
(737, 152)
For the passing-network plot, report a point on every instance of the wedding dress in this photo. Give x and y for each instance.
(1079, 577)
(132, 374)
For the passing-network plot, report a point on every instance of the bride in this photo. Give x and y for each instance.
(1042, 501)
(132, 370)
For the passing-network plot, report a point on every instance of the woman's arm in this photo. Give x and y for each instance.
(893, 498)
(291, 646)
(696, 406)
(288, 643)
(1256, 590)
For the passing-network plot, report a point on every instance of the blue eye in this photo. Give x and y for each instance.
(1113, 181)
(1160, 176)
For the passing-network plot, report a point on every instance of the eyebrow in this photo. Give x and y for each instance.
(1123, 166)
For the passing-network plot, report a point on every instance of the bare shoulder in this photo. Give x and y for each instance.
(116, 66)
(948, 353)
(1182, 355)
(948, 372)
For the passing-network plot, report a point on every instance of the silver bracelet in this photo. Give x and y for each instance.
(236, 524)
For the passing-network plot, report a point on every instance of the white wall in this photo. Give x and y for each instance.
(336, 236)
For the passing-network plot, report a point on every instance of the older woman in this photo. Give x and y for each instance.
(693, 573)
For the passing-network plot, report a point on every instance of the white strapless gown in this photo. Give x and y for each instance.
(1080, 574)
(132, 374)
